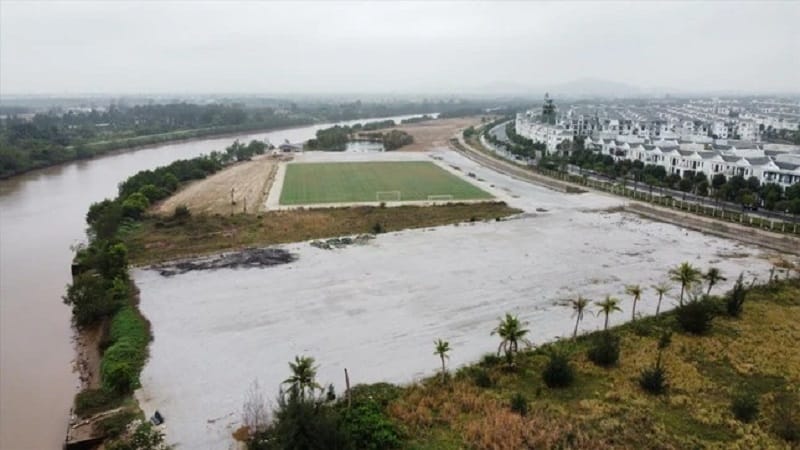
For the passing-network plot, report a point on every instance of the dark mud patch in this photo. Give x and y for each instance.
(247, 258)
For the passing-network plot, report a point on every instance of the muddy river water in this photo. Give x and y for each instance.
(41, 217)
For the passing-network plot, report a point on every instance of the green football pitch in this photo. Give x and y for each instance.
(310, 183)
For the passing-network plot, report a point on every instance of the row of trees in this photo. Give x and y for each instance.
(391, 140)
(51, 138)
(520, 145)
(783, 135)
(748, 192)
(102, 295)
(336, 138)
(512, 331)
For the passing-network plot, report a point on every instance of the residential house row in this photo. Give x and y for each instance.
(679, 157)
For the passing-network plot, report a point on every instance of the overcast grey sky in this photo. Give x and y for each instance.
(305, 47)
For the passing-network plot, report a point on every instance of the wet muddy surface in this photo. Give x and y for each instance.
(247, 258)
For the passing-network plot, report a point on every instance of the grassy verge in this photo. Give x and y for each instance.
(155, 240)
(606, 408)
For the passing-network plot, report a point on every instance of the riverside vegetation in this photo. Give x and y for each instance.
(335, 138)
(31, 139)
(713, 373)
(104, 299)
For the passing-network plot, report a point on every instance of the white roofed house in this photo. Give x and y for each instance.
(782, 173)
(713, 163)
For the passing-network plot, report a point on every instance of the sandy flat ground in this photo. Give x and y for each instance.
(376, 309)
(433, 134)
(250, 181)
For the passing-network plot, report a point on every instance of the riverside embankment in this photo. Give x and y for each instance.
(42, 214)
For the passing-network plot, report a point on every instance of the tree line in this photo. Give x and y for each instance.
(52, 138)
(103, 295)
(336, 137)
(56, 136)
(749, 192)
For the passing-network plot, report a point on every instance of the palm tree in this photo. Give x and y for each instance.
(636, 291)
(579, 305)
(442, 348)
(608, 306)
(685, 274)
(661, 289)
(511, 331)
(713, 276)
(303, 376)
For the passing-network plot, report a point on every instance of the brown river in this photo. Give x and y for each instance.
(41, 217)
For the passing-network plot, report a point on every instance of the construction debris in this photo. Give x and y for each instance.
(249, 257)
(342, 242)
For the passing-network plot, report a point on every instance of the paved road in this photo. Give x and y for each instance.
(499, 132)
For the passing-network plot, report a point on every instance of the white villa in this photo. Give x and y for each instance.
(692, 137)
(527, 126)
(677, 157)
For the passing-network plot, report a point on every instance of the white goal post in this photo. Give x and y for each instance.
(440, 197)
(387, 196)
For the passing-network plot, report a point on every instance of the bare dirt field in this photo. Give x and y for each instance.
(250, 181)
(376, 308)
(433, 133)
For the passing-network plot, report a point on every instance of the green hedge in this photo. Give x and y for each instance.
(125, 357)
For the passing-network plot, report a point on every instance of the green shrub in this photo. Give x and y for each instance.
(129, 325)
(135, 205)
(482, 379)
(695, 317)
(144, 437)
(643, 327)
(558, 372)
(367, 427)
(654, 379)
(734, 301)
(490, 360)
(604, 350)
(745, 406)
(380, 393)
(125, 358)
(114, 425)
(92, 299)
(786, 422)
(519, 404)
(118, 369)
(93, 401)
(153, 192)
(302, 425)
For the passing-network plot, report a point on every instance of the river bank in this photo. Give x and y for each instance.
(203, 134)
(43, 215)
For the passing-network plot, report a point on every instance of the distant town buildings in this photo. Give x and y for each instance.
(708, 136)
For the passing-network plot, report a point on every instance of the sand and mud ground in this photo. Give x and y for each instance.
(249, 180)
(433, 134)
(376, 308)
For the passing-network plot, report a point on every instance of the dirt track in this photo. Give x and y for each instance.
(250, 180)
(434, 133)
